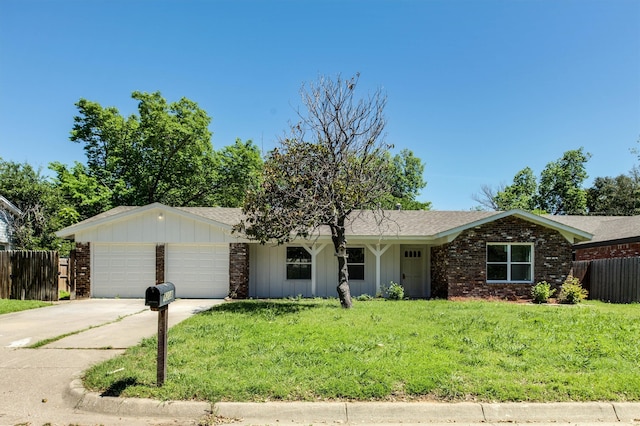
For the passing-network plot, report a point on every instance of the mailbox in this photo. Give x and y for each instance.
(160, 295)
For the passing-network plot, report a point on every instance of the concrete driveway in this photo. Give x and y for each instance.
(34, 381)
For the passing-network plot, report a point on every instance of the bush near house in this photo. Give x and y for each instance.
(541, 292)
(312, 350)
(571, 291)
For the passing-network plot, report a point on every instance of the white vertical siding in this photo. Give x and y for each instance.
(268, 273)
(149, 227)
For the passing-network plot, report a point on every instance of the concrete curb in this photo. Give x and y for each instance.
(140, 407)
(360, 412)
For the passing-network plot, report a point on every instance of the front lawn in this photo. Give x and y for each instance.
(10, 305)
(389, 350)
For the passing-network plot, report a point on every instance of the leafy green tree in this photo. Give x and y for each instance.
(239, 166)
(560, 190)
(519, 195)
(332, 165)
(87, 196)
(406, 182)
(44, 210)
(619, 196)
(164, 154)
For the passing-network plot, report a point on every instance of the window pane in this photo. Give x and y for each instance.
(356, 255)
(298, 255)
(520, 272)
(497, 272)
(297, 271)
(521, 253)
(356, 272)
(496, 253)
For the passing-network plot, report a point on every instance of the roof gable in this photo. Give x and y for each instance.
(9, 207)
(128, 213)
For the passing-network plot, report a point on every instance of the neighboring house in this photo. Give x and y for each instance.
(613, 236)
(441, 254)
(8, 212)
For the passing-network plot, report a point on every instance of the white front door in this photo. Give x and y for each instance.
(413, 270)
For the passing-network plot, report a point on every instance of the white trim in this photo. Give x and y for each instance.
(571, 234)
(9, 206)
(314, 250)
(378, 254)
(509, 262)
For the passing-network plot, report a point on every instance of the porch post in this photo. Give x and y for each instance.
(313, 251)
(378, 254)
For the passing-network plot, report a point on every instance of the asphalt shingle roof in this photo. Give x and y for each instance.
(603, 228)
(419, 223)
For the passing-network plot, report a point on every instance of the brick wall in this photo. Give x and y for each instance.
(160, 251)
(608, 252)
(83, 270)
(239, 270)
(439, 269)
(461, 264)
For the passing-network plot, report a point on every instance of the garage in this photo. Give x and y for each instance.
(125, 250)
(122, 270)
(198, 270)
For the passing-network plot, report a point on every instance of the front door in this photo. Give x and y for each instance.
(413, 270)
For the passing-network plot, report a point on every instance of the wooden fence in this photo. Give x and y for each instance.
(29, 275)
(610, 280)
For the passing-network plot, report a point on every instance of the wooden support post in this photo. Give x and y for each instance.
(163, 326)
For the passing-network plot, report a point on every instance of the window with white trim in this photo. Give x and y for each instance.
(355, 263)
(509, 263)
(298, 263)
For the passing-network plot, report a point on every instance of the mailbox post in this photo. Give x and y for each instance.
(158, 298)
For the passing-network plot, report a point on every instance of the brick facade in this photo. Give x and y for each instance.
(239, 270)
(459, 267)
(160, 251)
(631, 249)
(83, 270)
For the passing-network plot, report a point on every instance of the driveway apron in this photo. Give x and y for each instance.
(33, 382)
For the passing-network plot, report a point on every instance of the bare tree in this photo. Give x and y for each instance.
(487, 196)
(330, 167)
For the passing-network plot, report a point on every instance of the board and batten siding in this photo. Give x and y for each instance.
(150, 227)
(268, 273)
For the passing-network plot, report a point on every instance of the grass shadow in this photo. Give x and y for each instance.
(260, 307)
(116, 388)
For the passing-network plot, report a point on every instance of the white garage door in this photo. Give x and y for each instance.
(122, 270)
(198, 271)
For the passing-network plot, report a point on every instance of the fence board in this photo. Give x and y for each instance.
(5, 275)
(30, 275)
(613, 280)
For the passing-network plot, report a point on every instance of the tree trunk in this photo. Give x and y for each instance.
(340, 245)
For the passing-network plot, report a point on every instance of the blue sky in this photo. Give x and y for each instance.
(478, 89)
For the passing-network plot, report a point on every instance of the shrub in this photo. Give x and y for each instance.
(364, 297)
(395, 291)
(571, 291)
(542, 291)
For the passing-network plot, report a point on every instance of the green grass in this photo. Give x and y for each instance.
(383, 350)
(9, 305)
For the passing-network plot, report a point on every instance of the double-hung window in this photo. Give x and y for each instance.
(298, 264)
(509, 263)
(355, 263)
